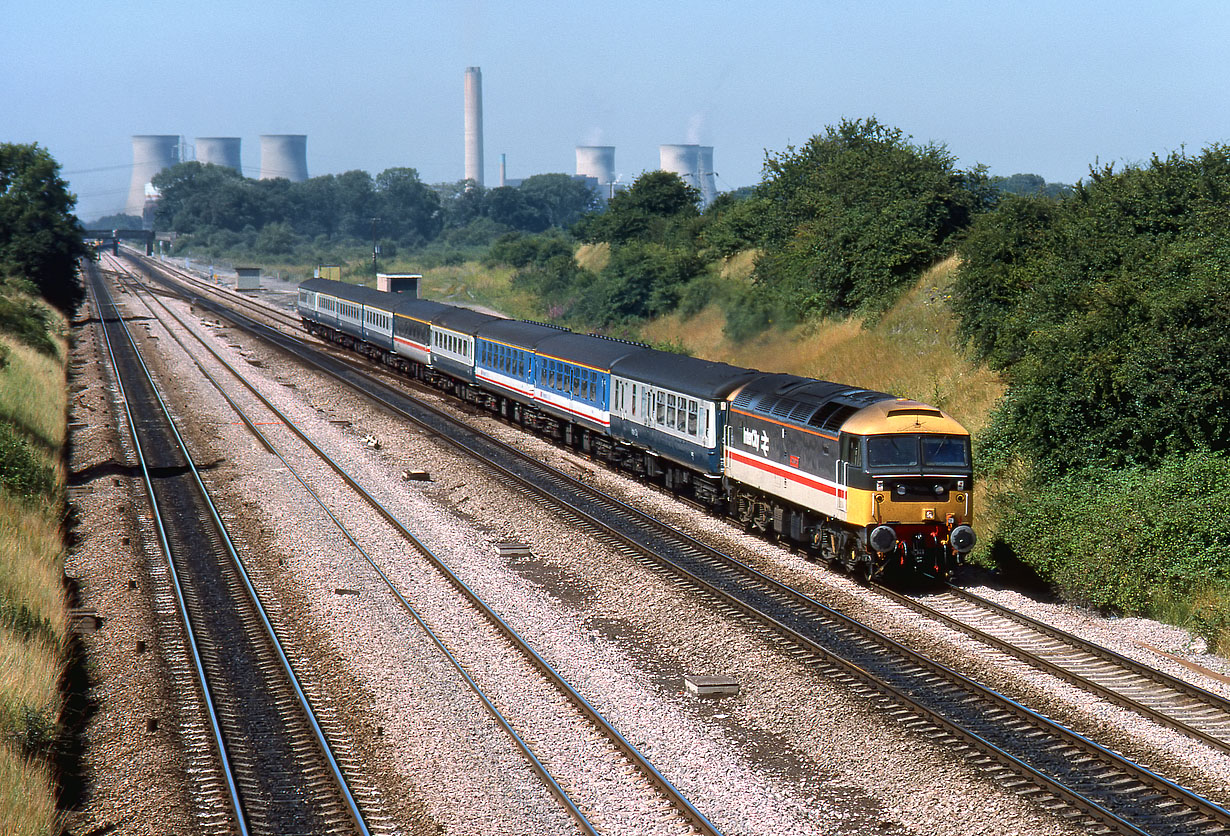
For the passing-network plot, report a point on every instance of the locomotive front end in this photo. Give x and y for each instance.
(909, 485)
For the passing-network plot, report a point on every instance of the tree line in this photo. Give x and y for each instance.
(1108, 314)
(218, 210)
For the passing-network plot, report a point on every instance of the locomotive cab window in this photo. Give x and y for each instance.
(892, 451)
(945, 451)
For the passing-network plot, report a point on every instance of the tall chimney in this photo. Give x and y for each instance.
(284, 155)
(474, 124)
(503, 170)
(219, 150)
(151, 153)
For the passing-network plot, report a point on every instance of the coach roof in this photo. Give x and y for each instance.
(690, 375)
(517, 332)
(352, 293)
(462, 320)
(585, 350)
(421, 309)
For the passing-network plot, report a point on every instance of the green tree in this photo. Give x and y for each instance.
(658, 207)
(118, 221)
(1109, 314)
(410, 210)
(40, 238)
(858, 213)
(560, 198)
(1030, 184)
(506, 205)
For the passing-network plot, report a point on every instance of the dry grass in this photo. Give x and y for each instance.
(472, 285)
(33, 605)
(31, 569)
(27, 797)
(33, 395)
(593, 257)
(911, 351)
(739, 266)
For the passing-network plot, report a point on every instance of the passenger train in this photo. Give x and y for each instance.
(875, 484)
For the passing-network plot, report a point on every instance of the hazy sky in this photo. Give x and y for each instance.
(1040, 87)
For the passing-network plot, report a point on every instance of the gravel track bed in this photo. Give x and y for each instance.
(1193, 764)
(133, 775)
(789, 755)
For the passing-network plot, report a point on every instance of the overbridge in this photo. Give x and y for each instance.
(112, 237)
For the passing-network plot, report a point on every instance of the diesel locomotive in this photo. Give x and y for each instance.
(872, 483)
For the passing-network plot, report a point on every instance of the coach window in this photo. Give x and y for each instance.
(692, 422)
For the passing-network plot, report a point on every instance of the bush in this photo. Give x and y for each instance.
(27, 321)
(1119, 539)
(22, 472)
(857, 214)
(1109, 313)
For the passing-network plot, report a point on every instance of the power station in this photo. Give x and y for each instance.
(219, 150)
(151, 153)
(694, 165)
(284, 155)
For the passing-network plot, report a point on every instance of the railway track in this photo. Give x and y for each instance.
(1023, 748)
(279, 770)
(1165, 699)
(615, 754)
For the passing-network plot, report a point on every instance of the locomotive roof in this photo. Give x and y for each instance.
(818, 404)
(461, 319)
(352, 293)
(517, 332)
(693, 376)
(587, 350)
(900, 415)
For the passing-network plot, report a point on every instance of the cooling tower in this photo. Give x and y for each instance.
(219, 150)
(284, 155)
(474, 124)
(597, 161)
(682, 160)
(708, 180)
(150, 155)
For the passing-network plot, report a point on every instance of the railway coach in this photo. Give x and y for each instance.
(671, 410)
(363, 316)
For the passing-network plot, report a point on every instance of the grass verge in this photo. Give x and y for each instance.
(33, 604)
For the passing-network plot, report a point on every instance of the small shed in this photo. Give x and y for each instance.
(249, 278)
(407, 284)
